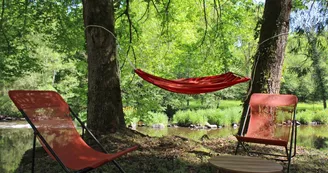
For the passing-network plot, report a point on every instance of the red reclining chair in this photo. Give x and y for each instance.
(50, 117)
(271, 122)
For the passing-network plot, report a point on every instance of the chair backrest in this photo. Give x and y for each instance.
(271, 116)
(45, 109)
(50, 115)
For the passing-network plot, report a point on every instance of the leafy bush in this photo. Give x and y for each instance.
(156, 118)
(130, 116)
(234, 114)
(221, 117)
(198, 117)
(185, 118)
(283, 116)
(305, 117)
(83, 116)
(321, 116)
(8, 108)
(182, 118)
(212, 115)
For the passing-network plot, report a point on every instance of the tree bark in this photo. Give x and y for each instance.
(269, 58)
(105, 112)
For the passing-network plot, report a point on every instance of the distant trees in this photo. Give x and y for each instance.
(312, 24)
(43, 47)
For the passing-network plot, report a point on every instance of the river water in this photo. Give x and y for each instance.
(16, 138)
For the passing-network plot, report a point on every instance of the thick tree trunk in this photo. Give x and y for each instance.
(105, 113)
(268, 60)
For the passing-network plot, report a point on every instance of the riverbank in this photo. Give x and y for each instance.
(176, 154)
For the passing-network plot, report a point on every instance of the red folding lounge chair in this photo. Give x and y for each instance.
(271, 122)
(50, 117)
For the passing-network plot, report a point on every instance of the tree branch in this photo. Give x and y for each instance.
(155, 6)
(1, 27)
(206, 23)
(146, 12)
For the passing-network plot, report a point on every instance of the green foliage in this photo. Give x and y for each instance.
(309, 106)
(197, 117)
(43, 47)
(219, 117)
(321, 116)
(223, 117)
(283, 116)
(8, 108)
(130, 116)
(234, 114)
(155, 118)
(304, 117)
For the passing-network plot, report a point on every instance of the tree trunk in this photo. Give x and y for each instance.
(105, 112)
(269, 58)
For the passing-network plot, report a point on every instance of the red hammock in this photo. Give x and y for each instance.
(194, 85)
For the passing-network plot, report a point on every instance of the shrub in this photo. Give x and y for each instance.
(234, 114)
(182, 118)
(130, 116)
(305, 117)
(212, 115)
(8, 108)
(223, 117)
(283, 116)
(321, 116)
(156, 118)
(198, 117)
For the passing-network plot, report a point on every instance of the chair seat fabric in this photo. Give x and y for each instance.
(77, 155)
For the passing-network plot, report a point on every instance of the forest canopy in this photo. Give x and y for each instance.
(43, 47)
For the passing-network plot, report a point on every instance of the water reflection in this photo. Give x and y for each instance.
(313, 136)
(307, 136)
(13, 144)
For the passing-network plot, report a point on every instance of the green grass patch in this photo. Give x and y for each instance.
(224, 104)
(309, 106)
(308, 116)
(221, 117)
(185, 118)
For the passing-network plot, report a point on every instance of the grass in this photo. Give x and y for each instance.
(156, 118)
(185, 118)
(230, 111)
(309, 106)
(221, 117)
